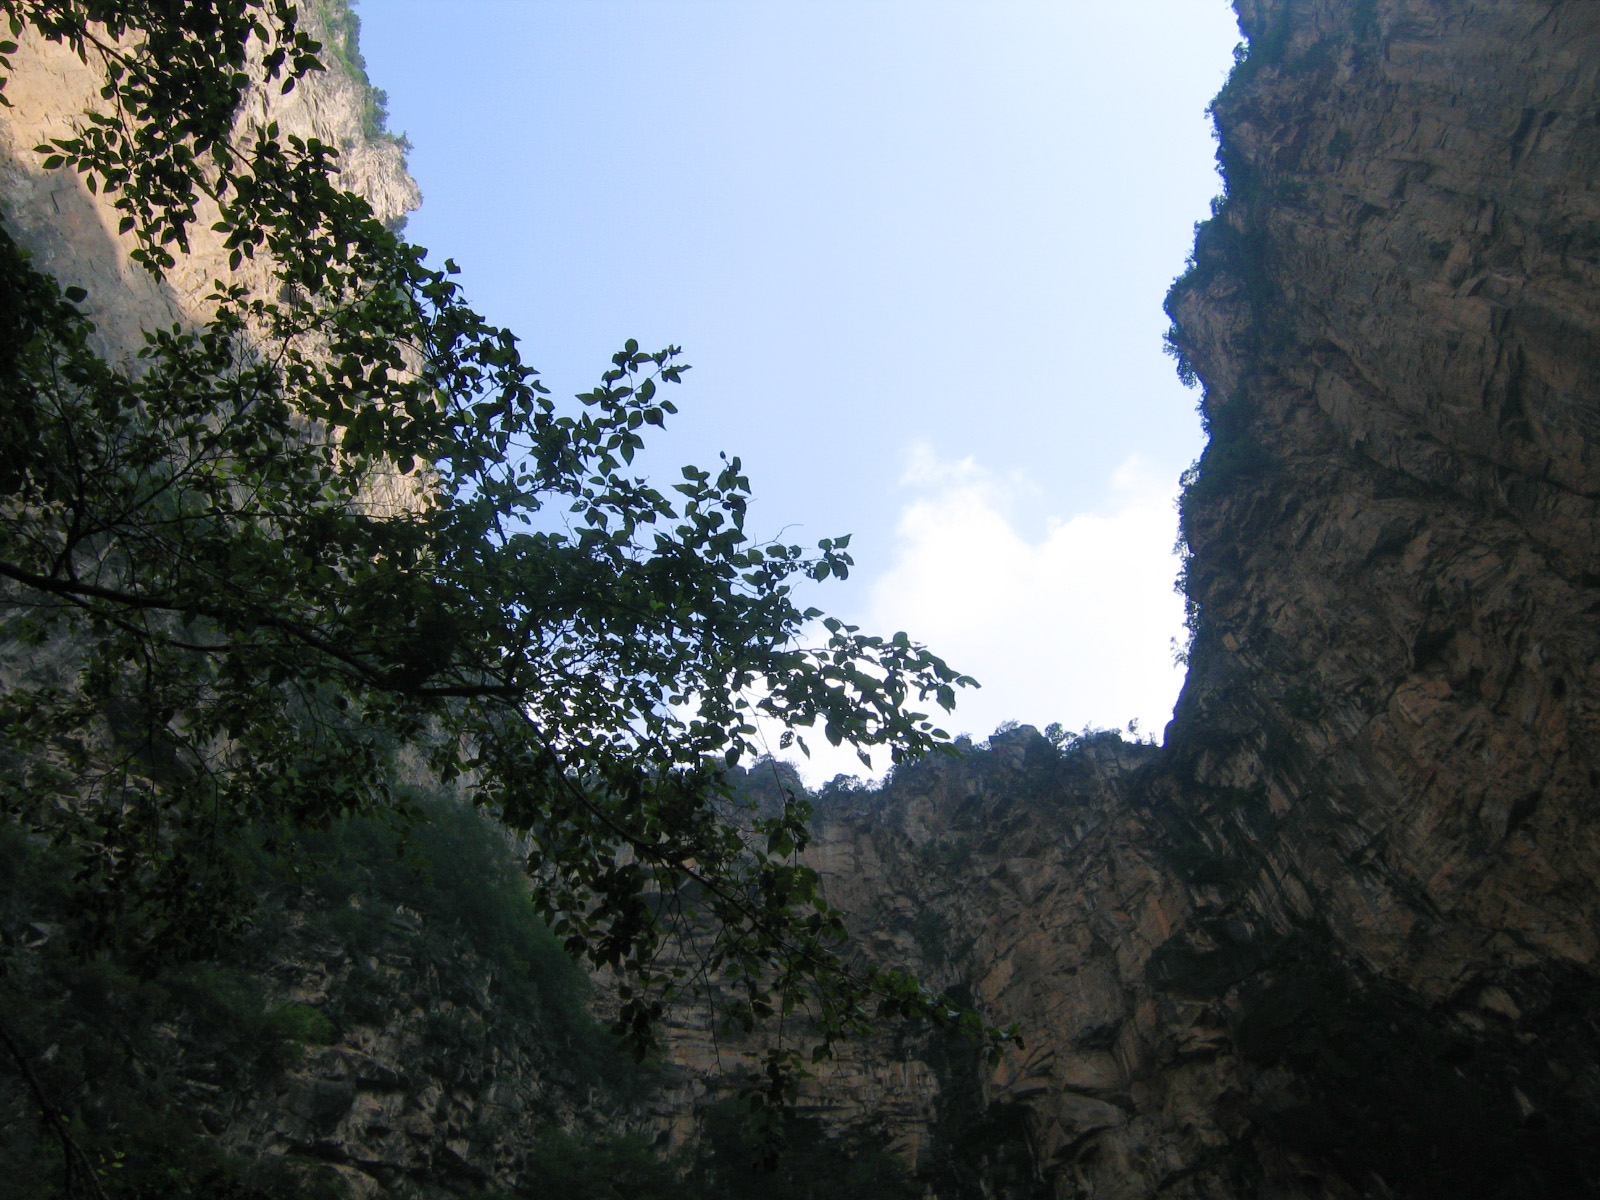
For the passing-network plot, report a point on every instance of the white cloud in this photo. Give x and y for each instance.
(1075, 627)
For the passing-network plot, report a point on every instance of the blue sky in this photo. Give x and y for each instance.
(916, 254)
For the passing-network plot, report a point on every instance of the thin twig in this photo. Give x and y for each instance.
(70, 1150)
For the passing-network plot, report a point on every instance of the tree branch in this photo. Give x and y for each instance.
(71, 1152)
(372, 676)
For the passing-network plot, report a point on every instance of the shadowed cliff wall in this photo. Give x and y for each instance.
(1339, 937)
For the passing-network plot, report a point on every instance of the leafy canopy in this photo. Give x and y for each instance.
(336, 536)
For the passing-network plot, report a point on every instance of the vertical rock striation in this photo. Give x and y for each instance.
(1339, 937)
(1390, 720)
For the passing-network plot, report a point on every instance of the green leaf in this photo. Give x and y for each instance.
(323, 539)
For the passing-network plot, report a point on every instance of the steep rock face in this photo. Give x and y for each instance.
(72, 234)
(1340, 937)
(1396, 317)
(1021, 879)
(988, 876)
(1394, 534)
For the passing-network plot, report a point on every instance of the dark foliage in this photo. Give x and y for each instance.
(214, 623)
(142, 1067)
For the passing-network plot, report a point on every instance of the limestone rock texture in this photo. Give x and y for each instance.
(72, 233)
(1390, 718)
(1338, 937)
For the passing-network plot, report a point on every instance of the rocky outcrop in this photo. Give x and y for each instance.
(72, 233)
(1390, 717)
(1339, 936)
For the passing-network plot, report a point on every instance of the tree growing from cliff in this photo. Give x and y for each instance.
(338, 536)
